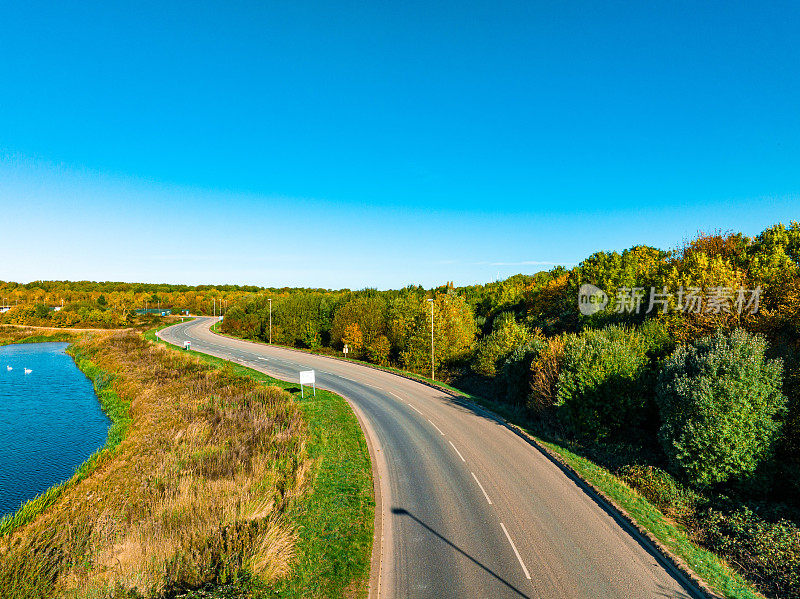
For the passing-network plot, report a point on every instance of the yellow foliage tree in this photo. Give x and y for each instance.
(353, 338)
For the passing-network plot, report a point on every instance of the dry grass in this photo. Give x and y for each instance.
(23, 334)
(195, 493)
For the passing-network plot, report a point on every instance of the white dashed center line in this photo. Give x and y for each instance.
(458, 452)
(436, 427)
(514, 547)
(485, 494)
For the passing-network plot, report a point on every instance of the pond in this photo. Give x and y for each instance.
(50, 420)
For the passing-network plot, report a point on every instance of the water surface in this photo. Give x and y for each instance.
(50, 420)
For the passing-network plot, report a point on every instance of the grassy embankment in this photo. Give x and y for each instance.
(13, 334)
(222, 482)
(335, 521)
(711, 568)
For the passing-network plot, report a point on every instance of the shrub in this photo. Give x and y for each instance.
(41, 311)
(768, 552)
(663, 491)
(719, 400)
(544, 371)
(507, 335)
(602, 388)
(657, 338)
(514, 373)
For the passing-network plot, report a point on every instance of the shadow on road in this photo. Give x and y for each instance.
(402, 512)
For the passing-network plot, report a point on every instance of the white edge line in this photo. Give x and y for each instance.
(514, 547)
(458, 452)
(485, 494)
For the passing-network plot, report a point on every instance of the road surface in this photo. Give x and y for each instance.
(466, 507)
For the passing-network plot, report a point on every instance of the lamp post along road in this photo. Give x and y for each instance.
(433, 378)
(270, 320)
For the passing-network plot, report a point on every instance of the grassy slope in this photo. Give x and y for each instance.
(712, 569)
(335, 520)
(207, 503)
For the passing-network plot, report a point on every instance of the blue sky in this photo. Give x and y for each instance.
(354, 144)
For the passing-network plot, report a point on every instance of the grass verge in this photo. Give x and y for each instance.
(334, 519)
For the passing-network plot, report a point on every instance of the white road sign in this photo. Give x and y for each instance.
(307, 378)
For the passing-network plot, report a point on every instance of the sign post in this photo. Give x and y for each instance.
(187, 345)
(307, 378)
(345, 350)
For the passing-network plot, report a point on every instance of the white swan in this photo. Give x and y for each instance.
(9, 368)
(28, 371)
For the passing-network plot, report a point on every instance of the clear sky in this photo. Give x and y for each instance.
(355, 144)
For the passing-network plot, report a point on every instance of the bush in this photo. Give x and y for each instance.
(507, 335)
(603, 385)
(720, 400)
(514, 373)
(544, 371)
(655, 333)
(41, 311)
(768, 552)
(663, 491)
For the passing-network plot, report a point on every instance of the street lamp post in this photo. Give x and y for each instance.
(270, 320)
(433, 378)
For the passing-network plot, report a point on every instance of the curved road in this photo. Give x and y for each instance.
(467, 508)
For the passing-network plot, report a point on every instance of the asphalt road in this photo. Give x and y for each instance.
(467, 507)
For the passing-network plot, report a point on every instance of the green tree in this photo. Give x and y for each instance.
(42, 311)
(368, 312)
(602, 386)
(720, 401)
(492, 349)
